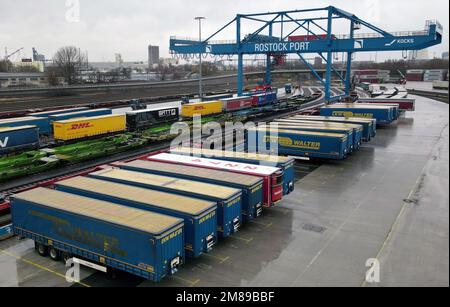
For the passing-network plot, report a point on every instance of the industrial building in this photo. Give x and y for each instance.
(153, 56)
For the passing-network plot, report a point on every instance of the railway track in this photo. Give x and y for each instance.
(442, 97)
(29, 182)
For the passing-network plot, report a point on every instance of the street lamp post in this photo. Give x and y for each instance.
(200, 63)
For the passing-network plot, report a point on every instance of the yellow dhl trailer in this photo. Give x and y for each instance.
(201, 108)
(79, 128)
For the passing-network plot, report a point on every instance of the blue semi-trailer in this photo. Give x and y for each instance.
(284, 163)
(354, 137)
(111, 236)
(251, 186)
(228, 200)
(200, 217)
(383, 115)
(18, 138)
(298, 143)
(369, 125)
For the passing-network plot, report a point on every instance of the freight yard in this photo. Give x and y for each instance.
(319, 185)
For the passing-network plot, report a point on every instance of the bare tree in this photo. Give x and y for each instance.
(70, 61)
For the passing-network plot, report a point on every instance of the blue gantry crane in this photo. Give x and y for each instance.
(317, 27)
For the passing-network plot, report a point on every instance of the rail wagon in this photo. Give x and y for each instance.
(201, 109)
(383, 115)
(65, 225)
(251, 186)
(272, 176)
(200, 217)
(284, 163)
(74, 129)
(228, 200)
(300, 143)
(18, 138)
(354, 137)
(369, 125)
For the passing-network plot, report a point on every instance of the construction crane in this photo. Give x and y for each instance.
(317, 36)
(7, 56)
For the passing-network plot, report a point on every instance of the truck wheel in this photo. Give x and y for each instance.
(54, 254)
(66, 257)
(42, 249)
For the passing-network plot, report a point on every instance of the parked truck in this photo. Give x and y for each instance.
(109, 236)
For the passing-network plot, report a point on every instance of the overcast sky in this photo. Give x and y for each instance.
(106, 27)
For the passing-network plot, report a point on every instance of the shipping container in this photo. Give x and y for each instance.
(55, 112)
(284, 163)
(237, 103)
(40, 123)
(354, 139)
(201, 108)
(264, 99)
(142, 119)
(251, 186)
(217, 97)
(383, 115)
(18, 138)
(272, 176)
(299, 143)
(74, 129)
(79, 114)
(64, 225)
(228, 200)
(200, 217)
(369, 125)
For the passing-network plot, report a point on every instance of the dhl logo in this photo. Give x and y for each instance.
(207, 217)
(171, 236)
(287, 142)
(199, 108)
(81, 126)
(350, 114)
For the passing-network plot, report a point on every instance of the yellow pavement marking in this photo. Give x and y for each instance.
(246, 240)
(222, 259)
(190, 282)
(39, 266)
(267, 225)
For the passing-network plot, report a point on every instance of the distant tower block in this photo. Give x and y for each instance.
(153, 55)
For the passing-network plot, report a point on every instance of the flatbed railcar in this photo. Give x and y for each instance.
(200, 217)
(65, 225)
(18, 138)
(299, 143)
(251, 186)
(228, 200)
(369, 125)
(284, 163)
(272, 176)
